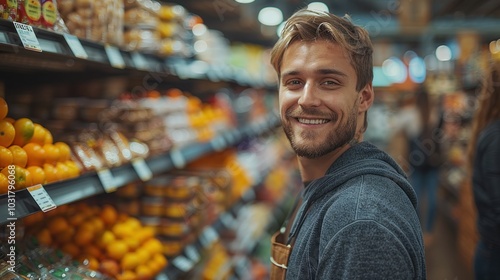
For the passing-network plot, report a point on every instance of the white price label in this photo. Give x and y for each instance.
(115, 57)
(192, 253)
(142, 169)
(208, 237)
(140, 61)
(42, 198)
(75, 45)
(182, 263)
(177, 158)
(107, 180)
(28, 37)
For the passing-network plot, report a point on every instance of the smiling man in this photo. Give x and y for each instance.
(356, 217)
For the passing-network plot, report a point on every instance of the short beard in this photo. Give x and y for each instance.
(338, 138)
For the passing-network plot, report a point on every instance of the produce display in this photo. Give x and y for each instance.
(30, 151)
(101, 238)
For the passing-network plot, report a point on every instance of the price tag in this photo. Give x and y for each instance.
(177, 158)
(28, 37)
(107, 180)
(182, 263)
(142, 169)
(218, 143)
(42, 198)
(115, 57)
(192, 253)
(208, 237)
(75, 45)
(140, 61)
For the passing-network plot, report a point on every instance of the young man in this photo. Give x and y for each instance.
(357, 218)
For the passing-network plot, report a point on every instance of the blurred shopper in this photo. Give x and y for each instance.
(356, 217)
(425, 157)
(484, 153)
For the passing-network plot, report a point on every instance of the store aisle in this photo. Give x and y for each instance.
(443, 259)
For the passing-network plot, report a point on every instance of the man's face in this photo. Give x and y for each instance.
(317, 98)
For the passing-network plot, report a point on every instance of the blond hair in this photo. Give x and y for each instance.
(308, 25)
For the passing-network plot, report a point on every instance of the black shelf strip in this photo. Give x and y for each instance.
(90, 184)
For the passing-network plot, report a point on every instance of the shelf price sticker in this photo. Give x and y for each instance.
(42, 198)
(107, 180)
(142, 169)
(115, 56)
(208, 237)
(27, 36)
(192, 253)
(177, 158)
(182, 263)
(139, 61)
(75, 45)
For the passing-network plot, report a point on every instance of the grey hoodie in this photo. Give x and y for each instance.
(359, 221)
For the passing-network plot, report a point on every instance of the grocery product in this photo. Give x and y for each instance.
(8, 10)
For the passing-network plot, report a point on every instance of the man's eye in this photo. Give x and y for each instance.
(330, 83)
(293, 82)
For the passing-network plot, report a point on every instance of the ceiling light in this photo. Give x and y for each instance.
(318, 6)
(270, 16)
(443, 53)
(244, 1)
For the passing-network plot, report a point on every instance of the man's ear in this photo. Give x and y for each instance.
(366, 97)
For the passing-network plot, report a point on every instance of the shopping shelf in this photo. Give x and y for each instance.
(19, 204)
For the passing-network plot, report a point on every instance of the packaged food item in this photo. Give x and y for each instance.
(49, 14)
(29, 12)
(8, 9)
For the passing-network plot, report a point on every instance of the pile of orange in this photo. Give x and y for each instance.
(31, 149)
(115, 244)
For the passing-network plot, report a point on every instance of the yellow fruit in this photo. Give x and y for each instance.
(64, 151)
(153, 245)
(117, 249)
(48, 137)
(63, 171)
(110, 267)
(158, 262)
(143, 272)
(29, 178)
(71, 249)
(106, 238)
(91, 262)
(130, 261)
(19, 176)
(24, 131)
(74, 171)
(36, 154)
(19, 155)
(4, 108)
(7, 133)
(127, 275)
(37, 175)
(52, 154)
(122, 230)
(6, 157)
(50, 173)
(38, 134)
(4, 184)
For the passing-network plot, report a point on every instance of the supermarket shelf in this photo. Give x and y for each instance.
(66, 55)
(108, 180)
(191, 254)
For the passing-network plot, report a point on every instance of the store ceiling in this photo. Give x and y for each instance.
(383, 18)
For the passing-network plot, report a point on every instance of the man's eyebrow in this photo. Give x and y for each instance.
(324, 71)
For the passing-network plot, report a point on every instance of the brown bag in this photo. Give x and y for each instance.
(279, 256)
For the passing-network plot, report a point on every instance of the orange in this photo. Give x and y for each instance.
(29, 178)
(83, 238)
(106, 238)
(20, 157)
(6, 157)
(44, 237)
(153, 245)
(63, 171)
(4, 108)
(91, 262)
(37, 175)
(24, 131)
(71, 249)
(130, 261)
(65, 236)
(36, 154)
(52, 153)
(93, 251)
(64, 151)
(117, 249)
(121, 230)
(38, 134)
(7, 133)
(57, 225)
(48, 137)
(127, 275)
(108, 215)
(74, 171)
(110, 268)
(4, 184)
(143, 272)
(50, 173)
(19, 176)
(10, 120)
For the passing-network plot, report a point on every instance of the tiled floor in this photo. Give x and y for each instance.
(443, 262)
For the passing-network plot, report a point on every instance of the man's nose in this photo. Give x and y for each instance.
(309, 96)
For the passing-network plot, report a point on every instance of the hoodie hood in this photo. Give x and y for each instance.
(361, 159)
